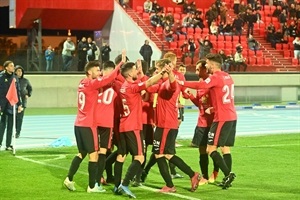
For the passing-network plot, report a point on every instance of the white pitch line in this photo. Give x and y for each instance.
(64, 168)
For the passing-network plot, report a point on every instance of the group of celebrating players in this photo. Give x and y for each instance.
(117, 100)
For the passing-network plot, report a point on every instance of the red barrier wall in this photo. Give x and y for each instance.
(64, 14)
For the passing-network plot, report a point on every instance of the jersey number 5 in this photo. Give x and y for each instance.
(126, 110)
(229, 93)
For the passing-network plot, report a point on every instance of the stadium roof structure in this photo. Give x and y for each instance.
(63, 14)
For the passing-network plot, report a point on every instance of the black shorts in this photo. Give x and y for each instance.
(164, 141)
(181, 113)
(86, 139)
(148, 134)
(200, 136)
(222, 133)
(104, 137)
(133, 142)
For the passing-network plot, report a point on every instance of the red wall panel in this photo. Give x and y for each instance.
(64, 14)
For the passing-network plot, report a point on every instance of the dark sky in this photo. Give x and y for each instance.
(5, 30)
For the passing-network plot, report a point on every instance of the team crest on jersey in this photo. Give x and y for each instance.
(207, 80)
(123, 90)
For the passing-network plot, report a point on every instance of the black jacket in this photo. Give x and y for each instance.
(146, 52)
(5, 81)
(25, 87)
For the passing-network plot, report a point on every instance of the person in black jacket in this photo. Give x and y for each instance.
(146, 53)
(91, 50)
(82, 51)
(25, 91)
(6, 110)
(105, 50)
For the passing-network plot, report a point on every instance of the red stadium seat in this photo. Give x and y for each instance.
(278, 46)
(220, 38)
(259, 53)
(268, 62)
(252, 61)
(190, 30)
(221, 45)
(251, 53)
(287, 54)
(259, 61)
(139, 9)
(158, 30)
(178, 10)
(212, 37)
(173, 45)
(228, 38)
(235, 38)
(181, 37)
(146, 16)
(170, 10)
(285, 46)
(198, 30)
(295, 62)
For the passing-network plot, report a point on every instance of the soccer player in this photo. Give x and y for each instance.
(131, 124)
(223, 128)
(205, 119)
(167, 129)
(105, 119)
(85, 124)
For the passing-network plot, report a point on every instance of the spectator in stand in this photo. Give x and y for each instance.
(278, 38)
(205, 47)
(186, 7)
(282, 18)
(192, 48)
(227, 61)
(146, 52)
(293, 29)
(228, 29)
(277, 12)
(49, 55)
(223, 12)
(236, 5)
(250, 20)
(292, 11)
(239, 59)
(285, 29)
(253, 44)
(187, 20)
(185, 51)
(193, 6)
(168, 34)
(198, 20)
(237, 25)
(211, 15)
(296, 44)
(67, 56)
(82, 51)
(177, 28)
(242, 9)
(218, 4)
(156, 20)
(213, 28)
(148, 6)
(92, 48)
(156, 7)
(105, 51)
(270, 31)
(252, 3)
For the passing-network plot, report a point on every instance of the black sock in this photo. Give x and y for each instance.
(217, 158)
(74, 167)
(172, 168)
(139, 172)
(216, 167)
(132, 170)
(228, 160)
(203, 162)
(92, 168)
(109, 162)
(163, 169)
(151, 162)
(182, 166)
(101, 167)
(118, 172)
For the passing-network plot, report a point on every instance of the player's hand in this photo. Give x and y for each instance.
(123, 56)
(180, 82)
(20, 109)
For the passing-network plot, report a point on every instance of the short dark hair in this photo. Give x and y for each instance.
(202, 63)
(6, 63)
(90, 65)
(108, 64)
(182, 65)
(118, 59)
(126, 68)
(215, 58)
